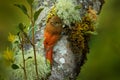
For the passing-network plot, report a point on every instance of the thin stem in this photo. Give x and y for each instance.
(24, 66)
(33, 41)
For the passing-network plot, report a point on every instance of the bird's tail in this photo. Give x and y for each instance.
(49, 54)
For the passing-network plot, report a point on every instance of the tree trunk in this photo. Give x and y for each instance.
(67, 64)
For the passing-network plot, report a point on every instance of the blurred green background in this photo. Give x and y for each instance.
(104, 58)
(10, 17)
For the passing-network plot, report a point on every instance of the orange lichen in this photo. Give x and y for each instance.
(92, 14)
(78, 34)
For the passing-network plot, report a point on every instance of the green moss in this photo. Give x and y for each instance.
(65, 9)
(67, 12)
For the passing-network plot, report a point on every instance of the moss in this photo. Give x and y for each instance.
(78, 33)
(66, 10)
(76, 38)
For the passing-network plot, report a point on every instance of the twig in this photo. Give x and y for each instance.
(33, 45)
(24, 66)
(33, 41)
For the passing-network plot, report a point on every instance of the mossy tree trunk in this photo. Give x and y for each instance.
(66, 62)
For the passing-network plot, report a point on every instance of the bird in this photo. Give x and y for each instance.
(52, 33)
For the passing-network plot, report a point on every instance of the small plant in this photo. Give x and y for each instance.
(26, 64)
(32, 17)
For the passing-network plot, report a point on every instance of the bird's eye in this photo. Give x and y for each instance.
(56, 22)
(52, 23)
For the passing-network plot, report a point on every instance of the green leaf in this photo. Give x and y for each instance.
(21, 26)
(15, 66)
(90, 32)
(29, 57)
(16, 42)
(36, 14)
(18, 33)
(22, 7)
(30, 2)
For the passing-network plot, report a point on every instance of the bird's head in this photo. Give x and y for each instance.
(56, 21)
